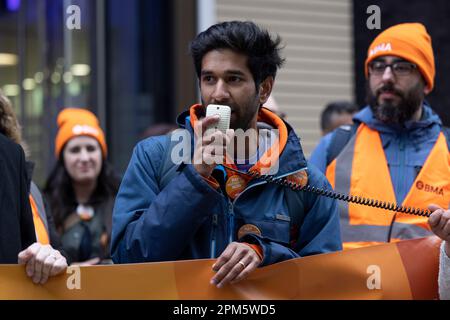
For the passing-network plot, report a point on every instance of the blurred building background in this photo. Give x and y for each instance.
(129, 64)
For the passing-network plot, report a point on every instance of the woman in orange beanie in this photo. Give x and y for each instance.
(81, 188)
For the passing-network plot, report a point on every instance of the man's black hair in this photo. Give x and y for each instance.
(338, 107)
(243, 37)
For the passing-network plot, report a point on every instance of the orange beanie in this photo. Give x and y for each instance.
(73, 122)
(409, 41)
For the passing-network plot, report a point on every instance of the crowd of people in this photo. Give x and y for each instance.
(164, 211)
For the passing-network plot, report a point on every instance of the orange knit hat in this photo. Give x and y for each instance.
(409, 41)
(73, 122)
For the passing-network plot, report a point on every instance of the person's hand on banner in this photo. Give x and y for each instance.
(236, 262)
(42, 262)
(439, 222)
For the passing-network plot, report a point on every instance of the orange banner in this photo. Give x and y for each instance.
(402, 270)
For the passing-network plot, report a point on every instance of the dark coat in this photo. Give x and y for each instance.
(16, 220)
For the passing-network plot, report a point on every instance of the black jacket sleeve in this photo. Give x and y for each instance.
(27, 231)
(16, 220)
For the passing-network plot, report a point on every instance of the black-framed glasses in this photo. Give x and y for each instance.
(399, 68)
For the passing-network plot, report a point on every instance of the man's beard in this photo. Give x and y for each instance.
(388, 112)
(242, 121)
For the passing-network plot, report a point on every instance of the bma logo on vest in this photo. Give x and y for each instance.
(381, 47)
(428, 188)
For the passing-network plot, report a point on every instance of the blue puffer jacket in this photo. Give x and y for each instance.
(406, 147)
(188, 219)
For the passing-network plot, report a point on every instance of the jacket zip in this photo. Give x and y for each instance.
(230, 204)
(215, 222)
(230, 221)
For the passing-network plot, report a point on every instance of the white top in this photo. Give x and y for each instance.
(444, 275)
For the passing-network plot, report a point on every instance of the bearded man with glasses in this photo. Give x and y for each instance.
(396, 151)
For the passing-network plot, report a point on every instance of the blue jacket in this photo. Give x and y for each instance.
(188, 219)
(406, 147)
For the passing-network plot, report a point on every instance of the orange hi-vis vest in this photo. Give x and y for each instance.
(361, 169)
(39, 218)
